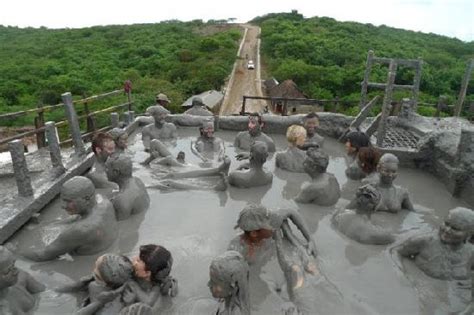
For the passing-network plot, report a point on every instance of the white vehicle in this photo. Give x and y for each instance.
(250, 65)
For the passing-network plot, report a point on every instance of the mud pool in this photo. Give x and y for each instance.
(196, 226)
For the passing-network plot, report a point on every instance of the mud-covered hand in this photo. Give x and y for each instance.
(169, 287)
(288, 308)
(311, 248)
(128, 297)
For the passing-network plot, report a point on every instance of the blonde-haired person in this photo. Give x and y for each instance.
(292, 158)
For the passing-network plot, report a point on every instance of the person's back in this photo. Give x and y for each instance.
(291, 160)
(98, 230)
(250, 178)
(132, 199)
(324, 191)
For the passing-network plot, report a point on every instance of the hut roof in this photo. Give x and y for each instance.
(210, 98)
(286, 89)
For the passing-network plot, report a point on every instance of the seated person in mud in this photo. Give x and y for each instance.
(368, 160)
(198, 108)
(90, 228)
(311, 123)
(160, 129)
(207, 144)
(259, 224)
(103, 146)
(355, 140)
(120, 138)
(229, 282)
(132, 197)
(245, 139)
(323, 189)
(444, 254)
(394, 198)
(292, 158)
(255, 175)
(18, 288)
(160, 154)
(356, 224)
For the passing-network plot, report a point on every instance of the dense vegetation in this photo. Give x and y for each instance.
(326, 58)
(177, 58)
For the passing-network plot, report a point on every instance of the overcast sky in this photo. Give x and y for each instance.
(454, 18)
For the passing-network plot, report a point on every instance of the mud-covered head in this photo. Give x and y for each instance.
(258, 153)
(458, 226)
(207, 129)
(181, 157)
(137, 309)
(388, 168)
(255, 124)
(158, 112)
(296, 135)
(118, 167)
(103, 146)
(113, 270)
(356, 140)
(229, 279)
(8, 270)
(255, 217)
(120, 138)
(367, 198)
(316, 162)
(197, 101)
(153, 263)
(78, 195)
(310, 123)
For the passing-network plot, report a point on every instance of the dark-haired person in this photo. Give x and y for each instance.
(103, 146)
(152, 269)
(311, 123)
(368, 159)
(245, 139)
(355, 140)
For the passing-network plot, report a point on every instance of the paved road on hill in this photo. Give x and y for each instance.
(245, 81)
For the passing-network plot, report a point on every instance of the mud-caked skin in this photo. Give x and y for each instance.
(198, 108)
(356, 223)
(393, 198)
(160, 129)
(120, 138)
(313, 139)
(323, 189)
(103, 146)
(132, 197)
(18, 288)
(255, 175)
(245, 139)
(446, 254)
(90, 228)
(229, 282)
(292, 158)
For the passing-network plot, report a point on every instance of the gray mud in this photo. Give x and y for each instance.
(196, 226)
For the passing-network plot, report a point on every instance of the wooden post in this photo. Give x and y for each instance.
(462, 92)
(368, 68)
(242, 111)
(20, 168)
(440, 105)
(127, 87)
(39, 123)
(73, 122)
(382, 128)
(416, 84)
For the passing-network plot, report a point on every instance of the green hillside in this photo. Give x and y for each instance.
(177, 58)
(326, 58)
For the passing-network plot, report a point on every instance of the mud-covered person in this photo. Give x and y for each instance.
(245, 139)
(313, 139)
(103, 146)
(355, 140)
(18, 289)
(152, 268)
(160, 129)
(292, 158)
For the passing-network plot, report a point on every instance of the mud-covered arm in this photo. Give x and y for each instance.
(32, 285)
(306, 195)
(408, 248)
(196, 152)
(406, 202)
(66, 242)
(146, 139)
(76, 286)
(299, 223)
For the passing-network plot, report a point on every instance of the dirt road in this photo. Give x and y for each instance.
(245, 81)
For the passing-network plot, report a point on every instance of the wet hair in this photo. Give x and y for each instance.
(157, 109)
(293, 132)
(358, 139)
(116, 133)
(99, 139)
(370, 192)
(258, 116)
(462, 219)
(78, 187)
(232, 268)
(114, 270)
(137, 309)
(368, 158)
(311, 115)
(259, 148)
(388, 158)
(317, 159)
(158, 261)
(120, 162)
(254, 217)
